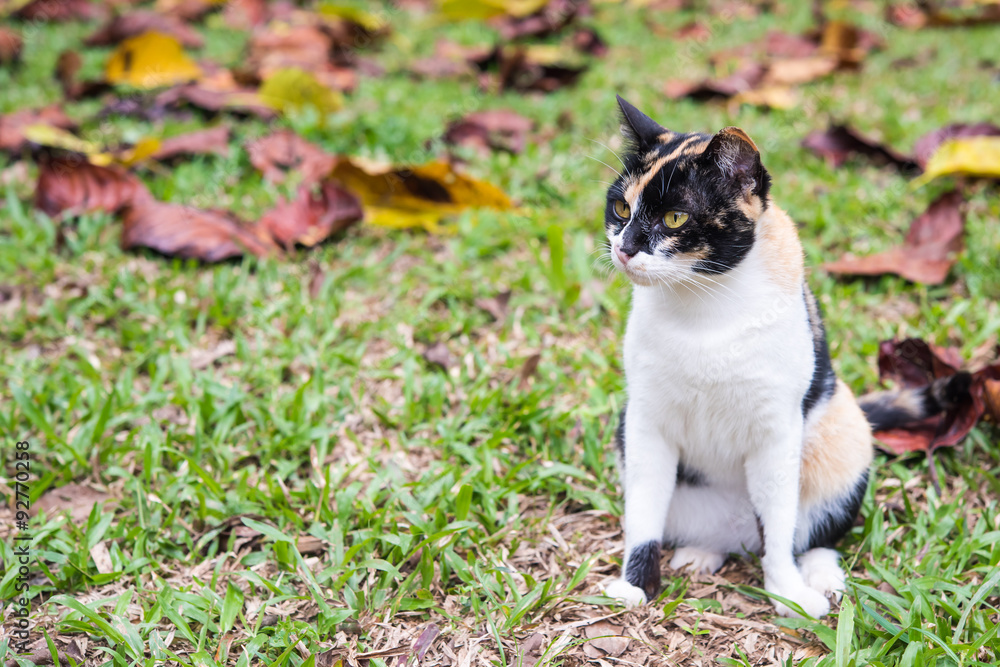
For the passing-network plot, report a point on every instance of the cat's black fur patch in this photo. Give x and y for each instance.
(824, 379)
(620, 435)
(644, 568)
(891, 409)
(718, 234)
(826, 532)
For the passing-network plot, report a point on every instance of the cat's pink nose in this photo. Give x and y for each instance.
(622, 257)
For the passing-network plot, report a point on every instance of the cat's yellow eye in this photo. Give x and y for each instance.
(674, 219)
(622, 209)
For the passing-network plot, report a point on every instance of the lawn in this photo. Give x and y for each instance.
(326, 456)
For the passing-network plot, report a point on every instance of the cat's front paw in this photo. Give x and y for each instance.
(812, 601)
(632, 596)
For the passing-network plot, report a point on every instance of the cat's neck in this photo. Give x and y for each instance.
(768, 278)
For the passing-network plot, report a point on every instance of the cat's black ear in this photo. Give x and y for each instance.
(735, 154)
(637, 126)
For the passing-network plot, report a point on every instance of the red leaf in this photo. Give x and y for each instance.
(285, 151)
(183, 231)
(10, 46)
(212, 140)
(839, 142)
(498, 129)
(926, 254)
(60, 10)
(70, 185)
(310, 219)
(139, 21)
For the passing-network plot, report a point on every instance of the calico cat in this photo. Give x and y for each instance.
(737, 435)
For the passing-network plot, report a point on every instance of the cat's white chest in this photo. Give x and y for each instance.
(718, 387)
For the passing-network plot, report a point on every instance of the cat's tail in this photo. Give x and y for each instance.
(898, 407)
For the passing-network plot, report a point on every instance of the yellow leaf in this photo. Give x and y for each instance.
(973, 156)
(367, 20)
(47, 135)
(459, 10)
(151, 60)
(293, 89)
(421, 196)
(774, 97)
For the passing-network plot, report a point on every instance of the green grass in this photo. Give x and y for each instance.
(425, 484)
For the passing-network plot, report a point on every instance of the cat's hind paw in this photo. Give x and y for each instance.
(821, 570)
(813, 602)
(696, 560)
(631, 596)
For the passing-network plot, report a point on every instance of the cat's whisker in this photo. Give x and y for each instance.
(617, 173)
(624, 166)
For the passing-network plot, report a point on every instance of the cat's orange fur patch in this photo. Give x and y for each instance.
(690, 146)
(838, 448)
(780, 248)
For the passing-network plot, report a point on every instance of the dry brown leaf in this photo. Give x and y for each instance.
(245, 14)
(927, 252)
(991, 398)
(307, 545)
(285, 151)
(142, 20)
(552, 17)
(10, 46)
(70, 185)
(211, 140)
(60, 10)
(102, 558)
(605, 640)
(244, 101)
(182, 231)
(12, 126)
(77, 499)
(839, 142)
(312, 217)
(497, 129)
(439, 355)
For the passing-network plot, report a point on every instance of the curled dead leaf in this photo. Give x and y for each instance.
(60, 10)
(139, 21)
(285, 151)
(927, 252)
(70, 185)
(977, 156)
(243, 101)
(312, 217)
(837, 143)
(182, 231)
(498, 129)
(12, 126)
(929, 143)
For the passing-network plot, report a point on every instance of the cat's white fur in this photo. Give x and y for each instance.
(716, 368)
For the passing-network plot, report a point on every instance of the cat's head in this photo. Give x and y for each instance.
(684, 204)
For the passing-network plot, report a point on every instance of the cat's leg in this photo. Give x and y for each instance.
(698, 561)
(648, 476)
(773, 482)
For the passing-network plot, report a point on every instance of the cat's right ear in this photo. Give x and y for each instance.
(637, 127)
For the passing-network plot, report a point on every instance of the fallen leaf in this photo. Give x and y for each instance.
(796, 71)
(420, 196)
(495, 306)
(744, 79)
(67, 66)
(773, 97)
(537, 67)
(973, 156)
(695, 30)
(424, 641)
(528, 370)
(285, 151)
(926, 254)
(461, 10)
(243, 101)
(182, 231)
(201, 359)
(307, 545)
(282, 47)
(188, 10)
(142, 21)
(498, 129)
(102, 558)
(604, 640)
(449, 60)
(60, 10)
(529, 651)
(150, 60)
(439, 355)
(70, 185)
(929, 143)
(77, 499)
(10, 46)
(991, 399)
(294, 89)
(12, 126)
(839, 142)
(245, 14)
(550, 18)
(312, 218)
(211, 140)
(925, 15)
